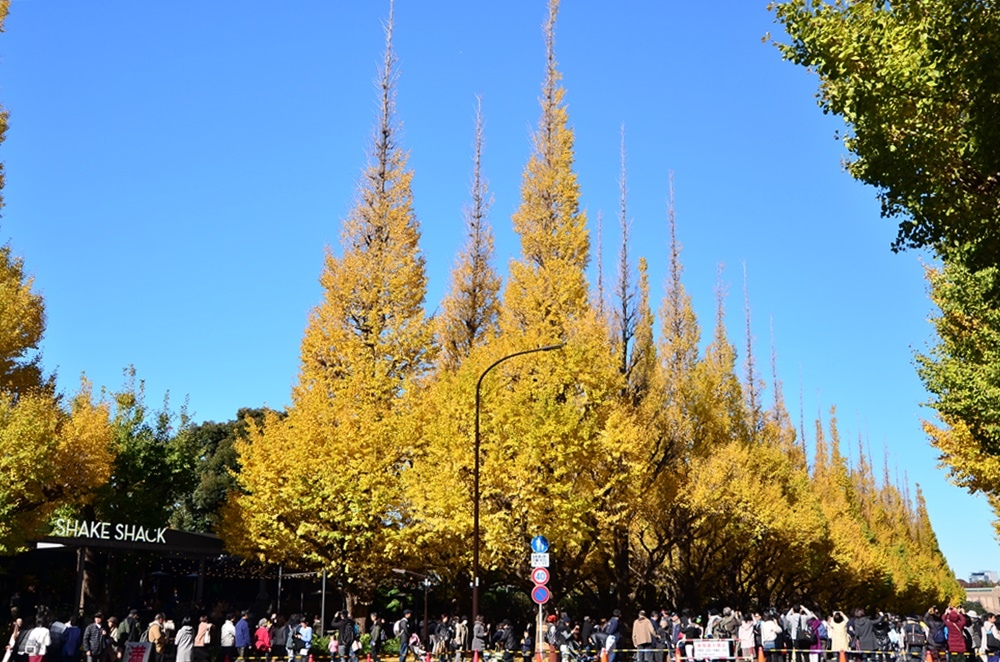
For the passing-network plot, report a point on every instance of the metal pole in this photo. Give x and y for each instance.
(539, 624)
(278, 610)
(322, 607)
(427, 588)
(475, 476)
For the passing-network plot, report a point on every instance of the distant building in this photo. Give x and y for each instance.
(988, 597)
(984, 577)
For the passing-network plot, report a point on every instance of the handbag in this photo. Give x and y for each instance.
(356, 646)
(992, 642)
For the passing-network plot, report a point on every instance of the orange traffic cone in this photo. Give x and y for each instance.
(604, 655)
(843, 656)
(677, 652)
(760, 654)
(930, 656)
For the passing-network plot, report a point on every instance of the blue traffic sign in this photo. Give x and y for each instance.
(539, 544)
(540, 594)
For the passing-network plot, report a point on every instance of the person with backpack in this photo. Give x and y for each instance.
(914, 638)
(343, 625)
(402, 630)
(937, 640)
(991, 638)
(38, 641)
(129, 630)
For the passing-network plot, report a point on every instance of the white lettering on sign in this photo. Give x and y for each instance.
(73, 528)
(539, 560)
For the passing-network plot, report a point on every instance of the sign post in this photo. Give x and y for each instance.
(540, 593)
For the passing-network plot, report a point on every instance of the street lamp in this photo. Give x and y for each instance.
(475, 479)
(427, 587)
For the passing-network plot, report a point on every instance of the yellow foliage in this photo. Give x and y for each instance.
(22, 323)
(48, 459)
(320, 487)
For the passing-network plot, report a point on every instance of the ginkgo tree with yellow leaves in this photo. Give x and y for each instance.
(320, 487)
(656, 470)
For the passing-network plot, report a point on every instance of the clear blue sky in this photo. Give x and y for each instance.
(176, 170)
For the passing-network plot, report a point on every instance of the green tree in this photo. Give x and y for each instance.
(154, 461)
(212, 445)
(917, 83)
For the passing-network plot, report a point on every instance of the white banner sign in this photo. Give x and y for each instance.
(711, 649)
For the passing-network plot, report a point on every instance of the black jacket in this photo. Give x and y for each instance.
(93, 639)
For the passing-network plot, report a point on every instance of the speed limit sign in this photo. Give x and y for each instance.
(540, 576)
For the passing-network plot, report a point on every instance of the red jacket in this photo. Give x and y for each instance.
(956, 622)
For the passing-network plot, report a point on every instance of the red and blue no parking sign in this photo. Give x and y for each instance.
(540, 594)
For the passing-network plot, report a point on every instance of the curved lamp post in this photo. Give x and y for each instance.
(475, 474)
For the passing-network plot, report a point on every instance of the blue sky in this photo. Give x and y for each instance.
(176, 170)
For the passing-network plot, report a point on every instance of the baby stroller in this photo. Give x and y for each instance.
(417, 647)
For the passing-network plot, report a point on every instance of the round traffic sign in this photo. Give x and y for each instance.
(540, 594)
(540, 576)
(539, 544)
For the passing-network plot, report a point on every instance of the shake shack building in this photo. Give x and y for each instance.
(83, 565)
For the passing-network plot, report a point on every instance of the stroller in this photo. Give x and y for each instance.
(417, 647)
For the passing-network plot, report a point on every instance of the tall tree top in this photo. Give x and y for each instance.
(370, 330)
(548, 286)
(469, 312)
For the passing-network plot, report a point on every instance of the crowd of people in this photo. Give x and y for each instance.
(798, 635)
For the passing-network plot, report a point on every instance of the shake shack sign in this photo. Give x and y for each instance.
(87, 533)
(93, 531)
